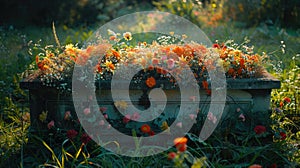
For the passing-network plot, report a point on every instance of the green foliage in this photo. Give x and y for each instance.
(274, 12)
(14, 123)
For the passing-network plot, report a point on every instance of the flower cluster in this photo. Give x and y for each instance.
(163, 59)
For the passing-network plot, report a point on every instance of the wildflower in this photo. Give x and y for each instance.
(179, 51)
(192, 116)
(211, 117)
(110, 66)
(150, 82)
(103, 109)
(26, 117)
(151, 133)
(255, 166)
(101, 122)
(179, 124)
(43, 116)
(205, 84)
(145, 128)
(112, 38)
(164, 126)
(67, 115)
(259, 129)
(242, 117)
(274, 165)
(116, 54)
(170, 63)
(87, 111)
(161, 70)
(199, 162)
(105, 116)
(85, 138)
(155, 61)
(71, 134)
(127, 36)
(121, 104)
(171, 155)
(50, 124)
(281, 104)
(216, 46)
(126, 118)
(231, 71)
(282, 135)
(135, 116)
(287, 100)
(180, 143)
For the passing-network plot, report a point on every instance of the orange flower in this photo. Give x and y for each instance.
(231, 71)
(239, 71)
(180, 143)
(109, 65)
(89, 50)
(145, 128)
(155, 61)
(281, 104)
(150, 68)
(150, 82)
(179, 51)
(161, 71)
(242, 63)
(116, 54)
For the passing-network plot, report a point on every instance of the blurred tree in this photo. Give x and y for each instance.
(69, 12)
(283, 13)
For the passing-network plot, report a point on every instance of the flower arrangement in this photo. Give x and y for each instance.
(166, 55)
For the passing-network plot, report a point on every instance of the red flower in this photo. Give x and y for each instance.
(282, 135)
(85, 138)
(274, 165)
(205, 84)
(126, 118)
(67, 115)
(287, 100)
(216, 46)
(255, 166)
(151, 133)
(259, 129)
(171, 155)
(145, 128)
(103, 109)
(71, 134)
(180, 143)
(50, 124)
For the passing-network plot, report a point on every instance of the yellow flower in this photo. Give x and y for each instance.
(110, 66)
(165, 127)
(121, 104)
(43, 116)
(199, 163)
(127, 36)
